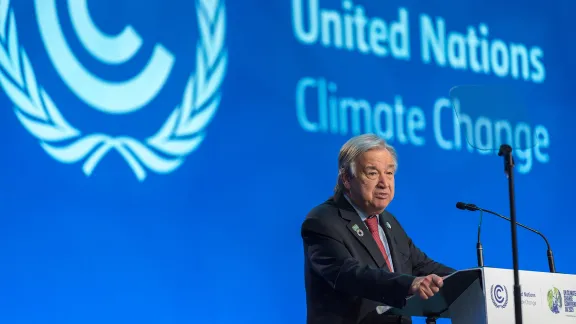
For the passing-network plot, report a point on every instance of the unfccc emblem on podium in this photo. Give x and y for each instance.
(499, 295)
(174, 139)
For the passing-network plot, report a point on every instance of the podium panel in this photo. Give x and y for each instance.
(486, 296)
(546, 297)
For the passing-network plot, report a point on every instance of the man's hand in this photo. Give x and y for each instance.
(426, 287)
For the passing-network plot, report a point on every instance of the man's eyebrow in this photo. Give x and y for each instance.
(388, 167)
(391, 167)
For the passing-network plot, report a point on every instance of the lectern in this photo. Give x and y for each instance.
(486, 296)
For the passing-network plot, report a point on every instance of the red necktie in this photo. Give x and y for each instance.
(372, 223)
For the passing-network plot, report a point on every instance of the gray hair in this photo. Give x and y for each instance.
(355, 147)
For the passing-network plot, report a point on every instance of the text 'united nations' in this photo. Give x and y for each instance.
(350, 28)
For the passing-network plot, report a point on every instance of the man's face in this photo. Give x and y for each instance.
(372, 189)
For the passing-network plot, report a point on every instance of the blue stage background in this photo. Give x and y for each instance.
(217, 239)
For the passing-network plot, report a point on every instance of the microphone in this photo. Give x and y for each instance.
(479, 248)
(472, 207)
(465, 206)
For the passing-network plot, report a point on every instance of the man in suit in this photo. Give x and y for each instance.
(359, 261)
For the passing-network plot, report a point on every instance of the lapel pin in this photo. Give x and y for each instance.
(388, 225)
(358, 230)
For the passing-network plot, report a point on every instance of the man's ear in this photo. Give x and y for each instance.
(346, 180)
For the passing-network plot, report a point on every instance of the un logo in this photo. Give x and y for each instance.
(499, 295)
(162, 152)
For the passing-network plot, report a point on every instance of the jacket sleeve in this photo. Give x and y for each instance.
(330, 259)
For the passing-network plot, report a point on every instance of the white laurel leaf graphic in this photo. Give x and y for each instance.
(181, 133)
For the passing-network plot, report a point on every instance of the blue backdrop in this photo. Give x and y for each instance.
(158, 158)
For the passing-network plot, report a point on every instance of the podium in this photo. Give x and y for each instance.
(486, 296)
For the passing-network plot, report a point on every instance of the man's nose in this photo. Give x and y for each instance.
(383, 181)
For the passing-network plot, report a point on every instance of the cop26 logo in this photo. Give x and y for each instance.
(179, 135)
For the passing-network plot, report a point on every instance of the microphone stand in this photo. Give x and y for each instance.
(506, 152)
(479, 248)
(480, 254)
(551, 265)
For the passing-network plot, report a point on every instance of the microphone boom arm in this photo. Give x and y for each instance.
(472, 207)
(551, 265)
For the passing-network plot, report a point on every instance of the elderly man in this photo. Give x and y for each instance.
(358, 259)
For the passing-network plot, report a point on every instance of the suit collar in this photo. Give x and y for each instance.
(348, 212)
(386, 224)
(363, 215)
(343, 204)
(359, 229)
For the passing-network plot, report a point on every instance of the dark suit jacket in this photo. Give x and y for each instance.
(346, 275)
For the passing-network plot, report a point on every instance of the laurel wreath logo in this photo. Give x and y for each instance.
(499, 302)
(163, 152)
